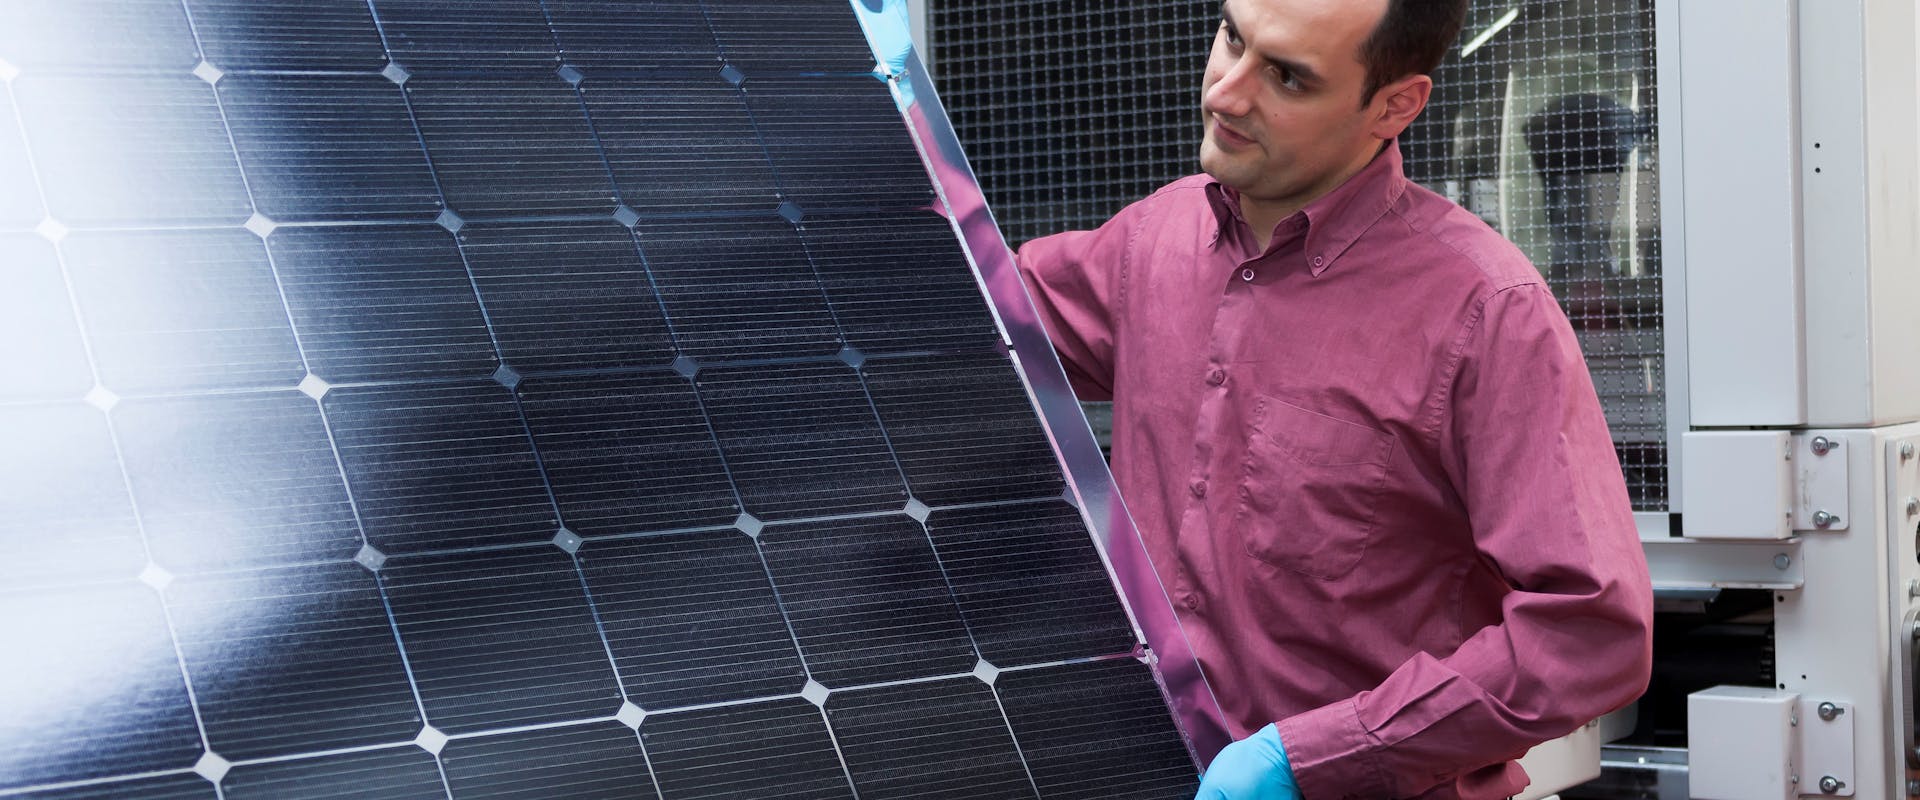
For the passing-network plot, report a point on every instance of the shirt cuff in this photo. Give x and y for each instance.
(1332, 754)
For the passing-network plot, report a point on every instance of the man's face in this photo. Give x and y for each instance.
(1284, 123)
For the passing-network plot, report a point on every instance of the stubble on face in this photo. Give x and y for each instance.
(1274, 143)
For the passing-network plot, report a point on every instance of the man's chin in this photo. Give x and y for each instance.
(1227, 170)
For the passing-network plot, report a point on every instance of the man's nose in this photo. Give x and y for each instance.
(1231, 95)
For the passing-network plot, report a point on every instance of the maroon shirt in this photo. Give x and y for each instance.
(1370, 468)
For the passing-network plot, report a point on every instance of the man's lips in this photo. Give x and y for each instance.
(1228, 137)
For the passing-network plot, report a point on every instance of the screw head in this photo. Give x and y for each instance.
(1822, 445)
(1906, 451)
(1830, 784)
(1782, 561)
(1824, 520)
(1828, 711)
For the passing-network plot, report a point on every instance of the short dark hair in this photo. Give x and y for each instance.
(1411, 39)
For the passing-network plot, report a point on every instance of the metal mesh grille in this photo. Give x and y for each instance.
(1070, 111)
(1541, 123)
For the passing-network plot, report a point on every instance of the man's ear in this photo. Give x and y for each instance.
(1398, 103)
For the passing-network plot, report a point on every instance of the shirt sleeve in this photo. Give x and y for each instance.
(1526, 447)
(1075, 280)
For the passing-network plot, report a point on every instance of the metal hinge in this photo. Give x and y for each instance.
(1820, 484)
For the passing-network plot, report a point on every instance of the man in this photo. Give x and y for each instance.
(1355, 430)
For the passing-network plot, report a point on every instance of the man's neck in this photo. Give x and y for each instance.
(1262, 215)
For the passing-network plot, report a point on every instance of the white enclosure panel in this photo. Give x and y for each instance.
(1739, 484)
(1861, 173)
(1739, 745)
(1833, 174)
(1739, 99)
(1893, 183)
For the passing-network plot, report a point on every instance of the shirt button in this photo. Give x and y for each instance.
(1246, 274)
(1192, 603)
(1317, 261)
(1216, 377)
(1199, 488)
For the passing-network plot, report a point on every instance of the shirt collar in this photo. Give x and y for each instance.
(1335, 220)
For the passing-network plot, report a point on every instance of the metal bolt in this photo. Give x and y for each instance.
(1913, 787)
(1906, 451)
(1782, 561)
(1822, 445)
(1830, 785)
(1913, 506)
(1824, 520)
(1828, 711)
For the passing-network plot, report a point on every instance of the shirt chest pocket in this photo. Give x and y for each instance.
(1311, 484)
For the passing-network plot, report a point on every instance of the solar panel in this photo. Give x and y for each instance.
(412, 399)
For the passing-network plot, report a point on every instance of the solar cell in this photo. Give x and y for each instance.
(691, 619)
(305, 35)
(97, 34)
(511, 146)
(1030, 583)
(779, 750)
(738, 287)
(398, 773)
(500, 638)
(182, 310)
(959, 426)
(945, 739)
(131, 149)
(837, 143)
(1096, 730)
(235, 481)
(567, 296)
(511, 399)
(680, 143)
(35, 308)
(801, 440)
(438, 467)
(377, 303)
(607, 34)
(90, 670)
(628, 453)
(578, 762)
(65, 515)
(170, 787)
(898, 281)
(292, 660)
(867, 600)
(790, 36)
(20, 204)
(328, 147)
(467, 35)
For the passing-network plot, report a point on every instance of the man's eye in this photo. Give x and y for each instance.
(1233, 36)
(1285, 78)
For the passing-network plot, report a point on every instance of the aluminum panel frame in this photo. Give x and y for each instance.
(1090, 483)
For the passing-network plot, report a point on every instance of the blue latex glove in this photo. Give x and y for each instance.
(1254, 768)
(890, 32)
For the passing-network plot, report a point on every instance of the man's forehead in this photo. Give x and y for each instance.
(1326, 32)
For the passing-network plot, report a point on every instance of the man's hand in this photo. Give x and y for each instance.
(1254, 768)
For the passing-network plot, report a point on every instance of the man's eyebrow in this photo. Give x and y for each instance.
(1305, 73)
